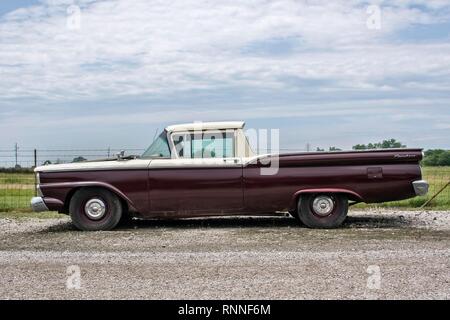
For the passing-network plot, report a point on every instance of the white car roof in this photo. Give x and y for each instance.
(206, 126)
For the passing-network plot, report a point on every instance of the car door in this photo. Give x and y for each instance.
(202, 177)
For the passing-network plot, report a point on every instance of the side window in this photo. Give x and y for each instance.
(209, 144)
(215, 145)
(182, 143)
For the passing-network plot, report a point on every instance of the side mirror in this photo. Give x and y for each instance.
(120, 155)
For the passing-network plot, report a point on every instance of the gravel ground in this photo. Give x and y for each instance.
(230, 258)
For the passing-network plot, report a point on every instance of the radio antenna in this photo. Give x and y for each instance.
(156, 132)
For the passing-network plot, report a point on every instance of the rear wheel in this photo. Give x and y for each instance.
(322, 210)
(95, 209)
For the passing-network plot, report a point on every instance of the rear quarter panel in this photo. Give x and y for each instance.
(277, 192)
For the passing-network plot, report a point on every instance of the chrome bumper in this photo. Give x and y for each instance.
(420, 187)
(38, 204)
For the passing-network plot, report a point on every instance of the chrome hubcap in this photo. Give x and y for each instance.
(95, 209)
(323, 205)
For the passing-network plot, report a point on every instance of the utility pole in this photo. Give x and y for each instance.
(35, 177)
(308, 147)
(16, 148)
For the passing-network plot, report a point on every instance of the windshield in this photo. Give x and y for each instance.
(159, 148)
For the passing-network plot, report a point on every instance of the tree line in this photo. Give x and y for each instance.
(436, 157)
(385, 144)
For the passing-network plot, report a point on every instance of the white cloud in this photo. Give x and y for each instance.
(153, 47)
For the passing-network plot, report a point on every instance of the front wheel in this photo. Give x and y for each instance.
(95, 209)
(322, 210)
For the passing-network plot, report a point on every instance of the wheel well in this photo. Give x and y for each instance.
(350, 196)
(69, 196)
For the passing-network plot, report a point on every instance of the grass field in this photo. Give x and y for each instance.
(16, 190)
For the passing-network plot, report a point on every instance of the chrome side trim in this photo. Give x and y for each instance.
(420, 187)
(39, 191)
(134, 164)
(181, 163)
(38, 204)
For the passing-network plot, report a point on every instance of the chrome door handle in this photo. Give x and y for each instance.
(230, 160)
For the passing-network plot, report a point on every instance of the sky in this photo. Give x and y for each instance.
(93, 74)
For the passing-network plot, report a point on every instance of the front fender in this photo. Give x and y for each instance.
(75, 185)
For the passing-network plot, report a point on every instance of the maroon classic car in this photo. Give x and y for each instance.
(206, 169)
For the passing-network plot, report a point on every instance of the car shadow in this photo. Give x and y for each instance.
(213, 222)
(376, 222)
(352, 222)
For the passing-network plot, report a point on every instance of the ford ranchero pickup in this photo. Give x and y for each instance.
(207, 169)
